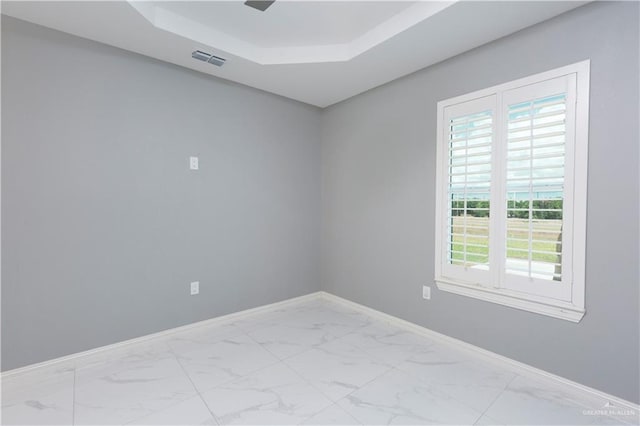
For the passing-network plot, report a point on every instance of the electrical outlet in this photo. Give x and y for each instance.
(426, 292)
(193, 163)
(195, 288)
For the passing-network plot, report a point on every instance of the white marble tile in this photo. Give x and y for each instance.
(260, 320)
(337, 368)
(333, 318)
(290, 338)
(331, 353)
(388, 343)
(149, 349)
(469, 379)
(397, 398)
(274, 395)
(296, 328)
(192, 411)
(38, 398)
(488, 421)
(34, 376)
(129, 388)
(201, 337)
(333, 415)
(276, 316)
(216, 363)
(529, 402)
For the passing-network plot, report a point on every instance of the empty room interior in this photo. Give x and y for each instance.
(320, 212)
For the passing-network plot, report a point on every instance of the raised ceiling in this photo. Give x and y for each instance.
(315, 52)
(285, 24)
(290, 32)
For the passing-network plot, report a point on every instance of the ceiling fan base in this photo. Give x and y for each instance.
(261, 5)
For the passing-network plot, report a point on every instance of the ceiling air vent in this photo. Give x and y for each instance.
(207, 57)
(217, 61)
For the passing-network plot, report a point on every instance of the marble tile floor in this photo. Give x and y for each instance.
(315, 363)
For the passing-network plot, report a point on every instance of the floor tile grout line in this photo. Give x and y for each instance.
(334, 404)
(309, 348)
(165, 338)
(312, 386)
(304, 380)
(282, 361)
(577, 403)
(365, 352)
(368, 355)
(277, 361)
(213, 416)
(446, 393)
(246, 331)
(290, 356)
(226, 382)
(497, 397)
(172, 356)
(392, 366)
(363, 385)
(395, 367)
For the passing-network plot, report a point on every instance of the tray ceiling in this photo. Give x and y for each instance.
(315, 52)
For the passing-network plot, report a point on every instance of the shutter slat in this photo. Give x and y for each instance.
(543, 136)
(537, 127)
(462, 148)
(519, 109)
(539, 116)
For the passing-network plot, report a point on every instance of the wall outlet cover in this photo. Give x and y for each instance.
(193, 163)
(195, 287)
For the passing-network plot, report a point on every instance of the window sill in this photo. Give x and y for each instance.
(551, 308)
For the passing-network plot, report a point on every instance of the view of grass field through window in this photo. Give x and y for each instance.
(534, 182)
(546, 234)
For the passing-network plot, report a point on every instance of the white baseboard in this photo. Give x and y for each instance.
(68, 359)
(501, 360)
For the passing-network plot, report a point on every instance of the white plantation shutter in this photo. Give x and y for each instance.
(470, 132)
(538, 133)
(511, 193)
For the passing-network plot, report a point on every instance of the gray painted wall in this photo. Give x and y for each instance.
(104, 225)
(378, 170)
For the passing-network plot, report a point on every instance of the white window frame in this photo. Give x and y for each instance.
(572, 308)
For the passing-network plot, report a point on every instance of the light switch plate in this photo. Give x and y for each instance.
(426, 292)
(195, 288)
(193, 163)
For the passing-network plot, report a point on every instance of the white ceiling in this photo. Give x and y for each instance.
(315, 52)
(287, 23)
(290, 32)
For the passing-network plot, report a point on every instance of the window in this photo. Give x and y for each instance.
(511, 193)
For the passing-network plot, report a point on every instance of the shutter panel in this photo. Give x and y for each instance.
(535, 187)
(469, 134)
(470, 140)
(538, 126)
